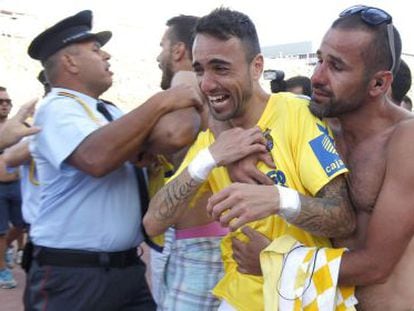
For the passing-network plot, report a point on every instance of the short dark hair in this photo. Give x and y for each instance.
(302, 81)
(402, 83)
(223, 23)
(183, 30)
(378, 55)
(41, 77)
(407, 99)
(3, 89)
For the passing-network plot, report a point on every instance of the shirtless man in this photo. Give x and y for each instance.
(355, 70)
(374, 137)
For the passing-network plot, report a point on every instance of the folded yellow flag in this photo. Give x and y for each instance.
(297, 277)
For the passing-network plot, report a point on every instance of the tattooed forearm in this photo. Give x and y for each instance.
(175, 194)
(170, 204)
(330, 213)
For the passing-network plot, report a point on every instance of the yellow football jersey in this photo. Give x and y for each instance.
(305, 159)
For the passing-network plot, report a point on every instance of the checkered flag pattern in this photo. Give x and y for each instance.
(307, 280)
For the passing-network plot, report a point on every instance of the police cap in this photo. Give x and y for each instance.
(72, 29)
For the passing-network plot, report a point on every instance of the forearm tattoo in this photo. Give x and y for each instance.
(176, 194)
(329, 214)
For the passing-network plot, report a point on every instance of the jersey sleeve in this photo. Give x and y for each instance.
(317, 160)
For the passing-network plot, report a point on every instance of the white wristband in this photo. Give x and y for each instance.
(202, 164)
(289, 207)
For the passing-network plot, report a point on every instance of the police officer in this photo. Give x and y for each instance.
(88, 225)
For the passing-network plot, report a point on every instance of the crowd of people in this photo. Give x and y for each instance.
(248, 200)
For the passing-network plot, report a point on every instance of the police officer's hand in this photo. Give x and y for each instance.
(183, 96)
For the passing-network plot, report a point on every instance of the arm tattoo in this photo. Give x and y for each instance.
(176, 194)
(330, 213)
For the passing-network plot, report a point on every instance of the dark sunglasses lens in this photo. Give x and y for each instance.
(352, 10)
(7, 101)
(375, 16)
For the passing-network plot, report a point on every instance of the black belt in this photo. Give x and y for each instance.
(78, 258)
(9, 182)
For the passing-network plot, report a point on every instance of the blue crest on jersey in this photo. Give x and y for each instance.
(269, 139)
(278, 177)
(324, 149)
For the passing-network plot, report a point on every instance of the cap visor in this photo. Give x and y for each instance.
(103, 37)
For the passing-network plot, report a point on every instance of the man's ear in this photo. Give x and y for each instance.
(257, 66)
(380, 83)
(178, 51)
(70, 63)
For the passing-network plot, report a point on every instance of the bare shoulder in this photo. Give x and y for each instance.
(184, 77)
(400, 147)
(404, 129)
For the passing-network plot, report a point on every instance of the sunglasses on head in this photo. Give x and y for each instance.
(5, 100)
(374, 16)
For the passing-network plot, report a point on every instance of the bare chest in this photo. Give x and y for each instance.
(366, 163)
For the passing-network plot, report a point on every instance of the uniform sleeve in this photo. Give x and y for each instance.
(317, 160)
(65, 124)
